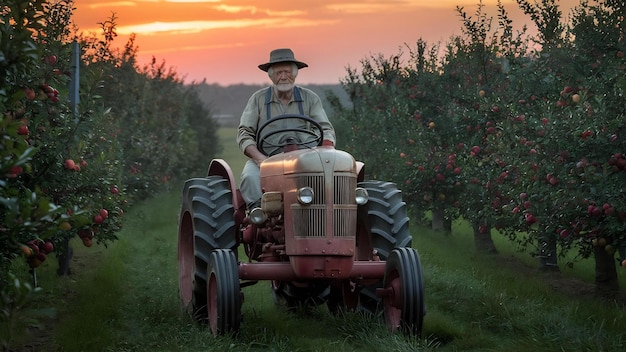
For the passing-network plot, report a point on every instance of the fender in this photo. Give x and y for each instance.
(219, 167)
(360, 171)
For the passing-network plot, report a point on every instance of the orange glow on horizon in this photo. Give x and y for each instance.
(223, 41)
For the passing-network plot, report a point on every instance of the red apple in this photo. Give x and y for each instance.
(23, 130)
(530, 218)
(70, 164)
(594, 210)
(47, 247)
(33, 246)
(15, 171)
(567, 89)
(50, 59)
(30, 94)
(86, 233)
(98, 219)
(87, 241)
(104, 213)
(34, 262)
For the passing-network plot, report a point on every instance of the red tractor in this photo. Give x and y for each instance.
(322, 235)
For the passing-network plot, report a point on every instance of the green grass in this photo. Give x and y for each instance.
(231, 152)
(125, 298)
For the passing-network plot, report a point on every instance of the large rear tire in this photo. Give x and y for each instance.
(223, 293)
(206, 223)
(403, 287)
(385, 217)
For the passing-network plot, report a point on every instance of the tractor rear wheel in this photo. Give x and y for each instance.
(403, 292)
(223, 293)
(206, 223)
(384, 218)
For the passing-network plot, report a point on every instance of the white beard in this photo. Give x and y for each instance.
(284, 87)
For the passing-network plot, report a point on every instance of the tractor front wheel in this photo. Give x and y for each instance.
(403, 292)
(223, 293)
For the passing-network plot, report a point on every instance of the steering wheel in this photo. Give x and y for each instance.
(262, 142)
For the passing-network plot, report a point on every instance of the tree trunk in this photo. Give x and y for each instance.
(440, 222)
(482, 237)
(548, 260)
(606, 281)
(64, 258)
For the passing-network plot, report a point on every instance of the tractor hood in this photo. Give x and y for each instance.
(315, 160)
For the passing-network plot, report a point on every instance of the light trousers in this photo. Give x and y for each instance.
(250, 186)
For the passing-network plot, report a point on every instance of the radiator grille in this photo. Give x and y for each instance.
(344, 189)
(310, 221)
(344, 223)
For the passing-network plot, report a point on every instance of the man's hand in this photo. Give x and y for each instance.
(253, 153)
(258, 161)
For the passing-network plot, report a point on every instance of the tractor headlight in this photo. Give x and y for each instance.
(257, 216)
(361, 196)
(306, 195)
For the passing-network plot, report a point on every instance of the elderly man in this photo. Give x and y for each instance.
(281, 98)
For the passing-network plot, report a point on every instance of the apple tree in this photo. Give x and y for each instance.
(531, 128)
(26, 212)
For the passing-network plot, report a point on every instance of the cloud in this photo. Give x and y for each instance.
(375, 6)
(196, 48)
(112, 4)
(192, 1)
(189, 27)
(255, 9)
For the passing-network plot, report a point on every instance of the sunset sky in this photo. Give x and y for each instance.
(224, 40)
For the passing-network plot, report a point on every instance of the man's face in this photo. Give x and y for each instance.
(282, 76)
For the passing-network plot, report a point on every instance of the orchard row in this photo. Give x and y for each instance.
(70, 165)
(521, 133)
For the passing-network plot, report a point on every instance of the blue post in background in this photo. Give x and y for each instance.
(74, 98)
(75, 81)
